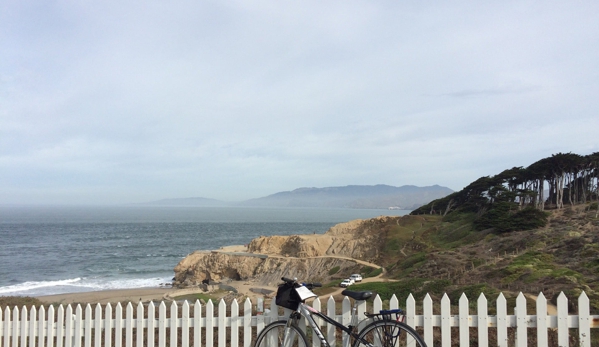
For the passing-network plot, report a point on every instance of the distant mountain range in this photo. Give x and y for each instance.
(368, 197)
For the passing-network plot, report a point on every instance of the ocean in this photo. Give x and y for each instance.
(54, 250)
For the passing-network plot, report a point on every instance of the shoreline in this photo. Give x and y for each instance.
(149, 293)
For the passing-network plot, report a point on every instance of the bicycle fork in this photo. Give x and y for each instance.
(288, 335)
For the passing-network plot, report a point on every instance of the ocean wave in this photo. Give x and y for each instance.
(28, 286)
(76, 285)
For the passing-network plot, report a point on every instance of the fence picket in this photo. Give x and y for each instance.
(108, 325)
(50, 328)
(139, 324)
(118, 325)
(88, 326)
(41, 326)
(98, 326)
(260, 321)
(584, 321)
(78, 335)
(273, 315)
(129, 326)
(562, 320)
(151, 324)
(209, 324)
(483, 321)
(197, 324)
(173, 323)
(36, 327)
(6, 331)
(68, 334)
(59, 326)
(427, 313)
(411, 311)
(541, 320)
(162, 324)
(445, 321)
(247, 323)
(464, 322)
(316, 305)
(184, 325)
(331, 328)
(15, 326)
(234, 323)
(32, 326)
(23, 327)
(222, 326)
(521, 331)
(346, 317)
(377, 304)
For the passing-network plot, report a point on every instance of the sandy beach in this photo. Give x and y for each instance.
(108, 296)
(143, 294)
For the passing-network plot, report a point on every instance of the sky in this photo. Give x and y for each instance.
(108, 102)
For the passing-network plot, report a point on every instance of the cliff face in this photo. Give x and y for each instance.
(221, 266)
(308, 257)
(355, 239)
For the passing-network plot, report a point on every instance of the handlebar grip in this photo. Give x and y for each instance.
(288, 280)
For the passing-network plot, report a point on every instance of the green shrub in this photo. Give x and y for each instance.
(504, 217)
(412, 260)
(392, 245)
(366, 269)
(374, 272)
(334, 270)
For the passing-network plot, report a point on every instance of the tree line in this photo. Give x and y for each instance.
(549, 183)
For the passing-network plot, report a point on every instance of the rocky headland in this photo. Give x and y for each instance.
(347, 247)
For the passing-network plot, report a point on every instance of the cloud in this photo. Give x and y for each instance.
(125, 102)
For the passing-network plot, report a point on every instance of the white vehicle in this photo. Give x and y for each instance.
(346, 283)
(356, 277)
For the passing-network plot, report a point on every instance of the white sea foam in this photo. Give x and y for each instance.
(27, 286)
(79, 285)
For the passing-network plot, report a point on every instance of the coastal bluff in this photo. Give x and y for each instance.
(349, 246)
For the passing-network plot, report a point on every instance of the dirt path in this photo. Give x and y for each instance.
(551, 309)
(244, 286)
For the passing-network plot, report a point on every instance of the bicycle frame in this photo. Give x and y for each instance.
(308, 312)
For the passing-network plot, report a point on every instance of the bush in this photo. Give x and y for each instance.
(504, 218)
(374, 272)
(334, 270)
(366, 269)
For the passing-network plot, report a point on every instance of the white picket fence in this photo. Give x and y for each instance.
(197, 325)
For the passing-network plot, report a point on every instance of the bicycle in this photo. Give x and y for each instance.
(383, 331)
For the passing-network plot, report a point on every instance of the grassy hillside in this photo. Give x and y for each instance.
(436, 255)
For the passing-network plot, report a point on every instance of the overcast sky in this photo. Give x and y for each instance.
(130, 101)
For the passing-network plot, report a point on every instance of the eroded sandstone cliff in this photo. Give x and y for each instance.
(347, 245)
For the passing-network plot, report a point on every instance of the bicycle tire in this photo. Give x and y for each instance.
(272, 336)
(389, 333)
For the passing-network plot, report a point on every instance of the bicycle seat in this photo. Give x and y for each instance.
(357, 295)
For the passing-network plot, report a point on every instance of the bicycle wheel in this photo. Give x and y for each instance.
(389, 333)
(273, 335)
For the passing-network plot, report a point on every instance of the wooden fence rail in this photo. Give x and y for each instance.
(197, 325)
